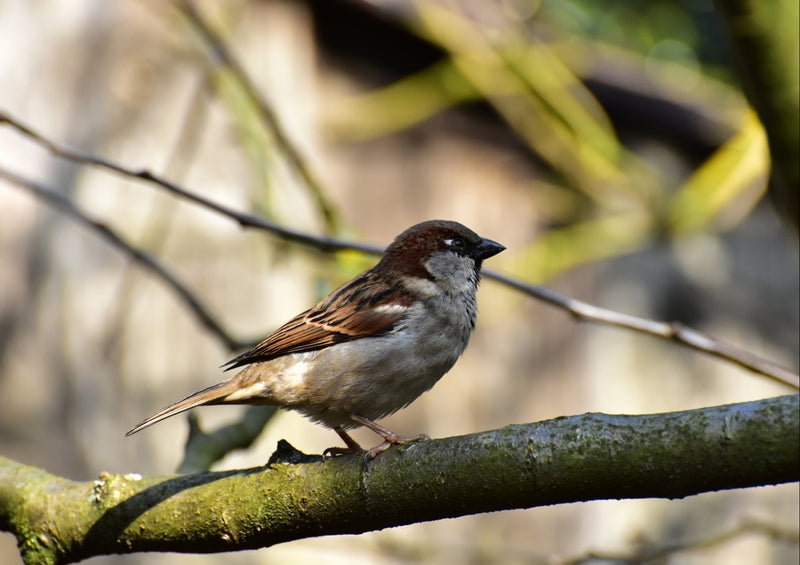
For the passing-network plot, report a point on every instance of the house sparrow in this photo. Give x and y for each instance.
(372, 346)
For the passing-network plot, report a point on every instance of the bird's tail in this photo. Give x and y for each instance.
(216, 394)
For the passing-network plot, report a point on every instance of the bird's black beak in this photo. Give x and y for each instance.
(487, 248)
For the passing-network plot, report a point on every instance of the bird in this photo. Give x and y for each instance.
(372, 346)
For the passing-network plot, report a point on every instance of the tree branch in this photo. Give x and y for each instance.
(321, 243)
(144, 259)
(581, 310)
(674, 331)
(578, 458)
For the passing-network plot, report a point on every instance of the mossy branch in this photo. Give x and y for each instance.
(577, 458)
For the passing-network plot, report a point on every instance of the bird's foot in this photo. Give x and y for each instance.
(389, 442)
(389, 437)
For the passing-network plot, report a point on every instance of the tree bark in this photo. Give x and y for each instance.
(577, 458)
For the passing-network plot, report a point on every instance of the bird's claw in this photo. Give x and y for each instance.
(370, 454)
(339, 451)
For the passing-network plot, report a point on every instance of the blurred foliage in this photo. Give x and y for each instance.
(273, 155)
(530, 61)
(258, 144)
(725, 186)
(765, 39)
(690, 33)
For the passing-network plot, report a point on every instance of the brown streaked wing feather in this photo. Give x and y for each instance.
(334, 320)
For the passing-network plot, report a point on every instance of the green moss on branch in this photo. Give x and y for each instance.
(587, 457)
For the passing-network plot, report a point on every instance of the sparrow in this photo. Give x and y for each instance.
(372, 346)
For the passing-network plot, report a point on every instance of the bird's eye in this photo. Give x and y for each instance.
(456, 242)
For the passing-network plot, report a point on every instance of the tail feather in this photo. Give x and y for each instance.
(215, 394)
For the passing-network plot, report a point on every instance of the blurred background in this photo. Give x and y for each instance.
(609, 146)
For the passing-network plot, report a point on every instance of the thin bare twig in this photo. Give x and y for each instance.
(144, 259)
(322, 243)
(221, 56)
(672, 331)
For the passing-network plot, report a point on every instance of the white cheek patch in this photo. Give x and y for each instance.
(391, 308)
(423, 287)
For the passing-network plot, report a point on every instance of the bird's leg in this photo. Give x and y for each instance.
(389, 437)
(352, 445)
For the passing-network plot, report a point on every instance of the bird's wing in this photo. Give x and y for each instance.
(362, 308)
